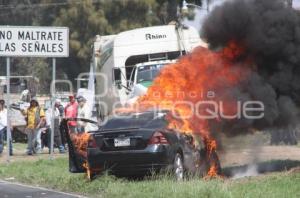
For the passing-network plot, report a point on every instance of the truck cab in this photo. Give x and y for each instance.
(143, 75)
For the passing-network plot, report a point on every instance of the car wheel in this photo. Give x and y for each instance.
(178, 167)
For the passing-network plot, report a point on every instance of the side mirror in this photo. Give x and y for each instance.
(117, 77)
(118, 84)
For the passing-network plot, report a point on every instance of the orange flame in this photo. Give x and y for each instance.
(212, 172)
(193, 79)
(80, 142)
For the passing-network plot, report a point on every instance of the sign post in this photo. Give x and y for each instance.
(8, 131)
(53, 106)
(33, 41)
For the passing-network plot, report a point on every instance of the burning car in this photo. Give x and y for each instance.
(136, 144)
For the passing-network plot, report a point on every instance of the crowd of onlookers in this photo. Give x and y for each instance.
(38, 124)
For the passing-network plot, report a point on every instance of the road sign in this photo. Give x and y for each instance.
(33, 41)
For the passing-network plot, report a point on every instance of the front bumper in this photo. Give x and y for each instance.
(132, 162)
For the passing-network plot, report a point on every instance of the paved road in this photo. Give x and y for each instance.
(12, 190)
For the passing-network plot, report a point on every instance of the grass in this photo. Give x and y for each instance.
(54, 174)
(19, 146)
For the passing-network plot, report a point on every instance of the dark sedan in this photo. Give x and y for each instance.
(135, 144)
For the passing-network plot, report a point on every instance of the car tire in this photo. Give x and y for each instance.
(178, 167)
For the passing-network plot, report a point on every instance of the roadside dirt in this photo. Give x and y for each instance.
(20, 155)
(244, 156)
(254, 148)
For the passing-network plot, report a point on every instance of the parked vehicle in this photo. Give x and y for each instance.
(136, 144)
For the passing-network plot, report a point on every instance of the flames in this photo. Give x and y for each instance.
(191, 88)
(80, 142)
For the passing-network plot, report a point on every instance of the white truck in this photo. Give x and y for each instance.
(126, 64)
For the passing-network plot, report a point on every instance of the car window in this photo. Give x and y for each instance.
(138, 120)
(148, 73)
(157, 123)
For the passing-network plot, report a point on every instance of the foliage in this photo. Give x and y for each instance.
(85, 20)
(88, 19)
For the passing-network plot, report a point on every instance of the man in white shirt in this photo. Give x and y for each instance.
(84, 111)
(3, 126)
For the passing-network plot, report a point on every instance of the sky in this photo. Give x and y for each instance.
(202, 13)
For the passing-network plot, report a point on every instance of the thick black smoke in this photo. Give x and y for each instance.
(270, 33)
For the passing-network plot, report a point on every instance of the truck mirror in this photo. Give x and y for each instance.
(117, 77)
(118, 83)
(117, 74)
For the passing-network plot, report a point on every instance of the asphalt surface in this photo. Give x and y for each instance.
(13, 190)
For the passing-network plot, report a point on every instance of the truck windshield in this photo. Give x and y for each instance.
(148, 72)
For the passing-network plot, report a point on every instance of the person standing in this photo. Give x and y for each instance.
(61, 111)
(35, 117)
(71, 112)
(3, 127)
(82, 113)
(57, 135)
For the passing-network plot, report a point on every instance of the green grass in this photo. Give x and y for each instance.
(54, 174)
(19, 146)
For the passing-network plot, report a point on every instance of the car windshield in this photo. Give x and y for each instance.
(148, 72)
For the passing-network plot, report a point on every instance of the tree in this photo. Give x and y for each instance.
(24, 13)
(88, 19)
(85, 20)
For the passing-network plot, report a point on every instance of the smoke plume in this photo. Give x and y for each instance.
(269, 32)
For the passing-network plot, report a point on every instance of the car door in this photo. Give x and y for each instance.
(77, 140)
